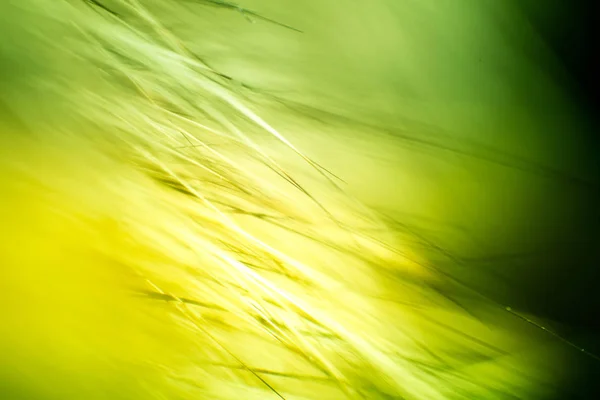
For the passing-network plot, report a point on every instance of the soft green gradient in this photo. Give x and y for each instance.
(445, 121)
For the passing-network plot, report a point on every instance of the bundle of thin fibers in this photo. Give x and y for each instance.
(170, 231)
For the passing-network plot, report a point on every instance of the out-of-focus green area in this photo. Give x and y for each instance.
(450, 119)
(457, 112)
